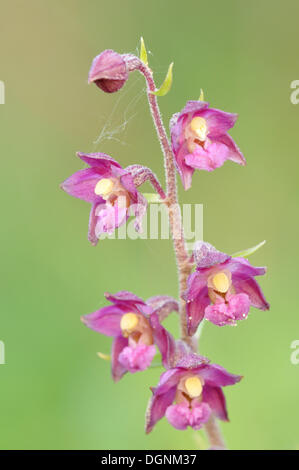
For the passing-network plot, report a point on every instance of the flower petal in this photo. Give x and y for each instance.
(242, 269)
(234, 153)
(106, 320)
(199, 415)
(218, 122)
(138, 358)
(82, 183)
(178, 416)
(222, 313)
(195, 309)
(101, 161)
(193, 106)
(125, 299)
(209, 158)
(109, 218)
(197, 298)
(164, 341)
(254, 292)
(193, 361)
(157, 407)
(92, 225)
(216, 376)
(117, 369)
(206, 255)
(185, 171)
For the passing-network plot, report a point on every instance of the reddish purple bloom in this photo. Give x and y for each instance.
(108, 71)
(222, 288)
(111, 191)
(200, 140)
(188, 393)
(136, 328)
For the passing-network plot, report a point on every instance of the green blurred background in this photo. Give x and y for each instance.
(55, 391)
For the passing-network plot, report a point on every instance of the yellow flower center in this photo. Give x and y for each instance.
(104, 187)
(199, 126)
(193, 386)
(221, 282)
(128, 322)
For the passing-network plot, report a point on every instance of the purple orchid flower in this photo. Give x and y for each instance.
(111, 191)
(222, 288)
(136, 328)
(109, 71)
(200, 141)
(189, 393)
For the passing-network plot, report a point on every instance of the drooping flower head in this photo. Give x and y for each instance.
(111, 191)
(188, 393)
(136, 328)
(222, 288)
(200, 140)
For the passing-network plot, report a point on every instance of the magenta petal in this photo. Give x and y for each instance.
(117, 369)
(199, 415)
(193, 361)
(109, 218)
(185, 171)
(138, 358)
(234, 153)
(157, 407)
(195, 310)
(206, 255)
(197, 299)
(194, 106)
(128, 183)
(108, 71)
(164, 341)
(217, 376)
(105, 320)
(254, 292)
(92, 225)
(209, 158)
(169, 379)
(215, 398)
(242, 269)
(138, 209)
(239, 305)
(103, 162)
(221, 314)
(178, 416)
(125, 299)
(219, 122)
(82, 183)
